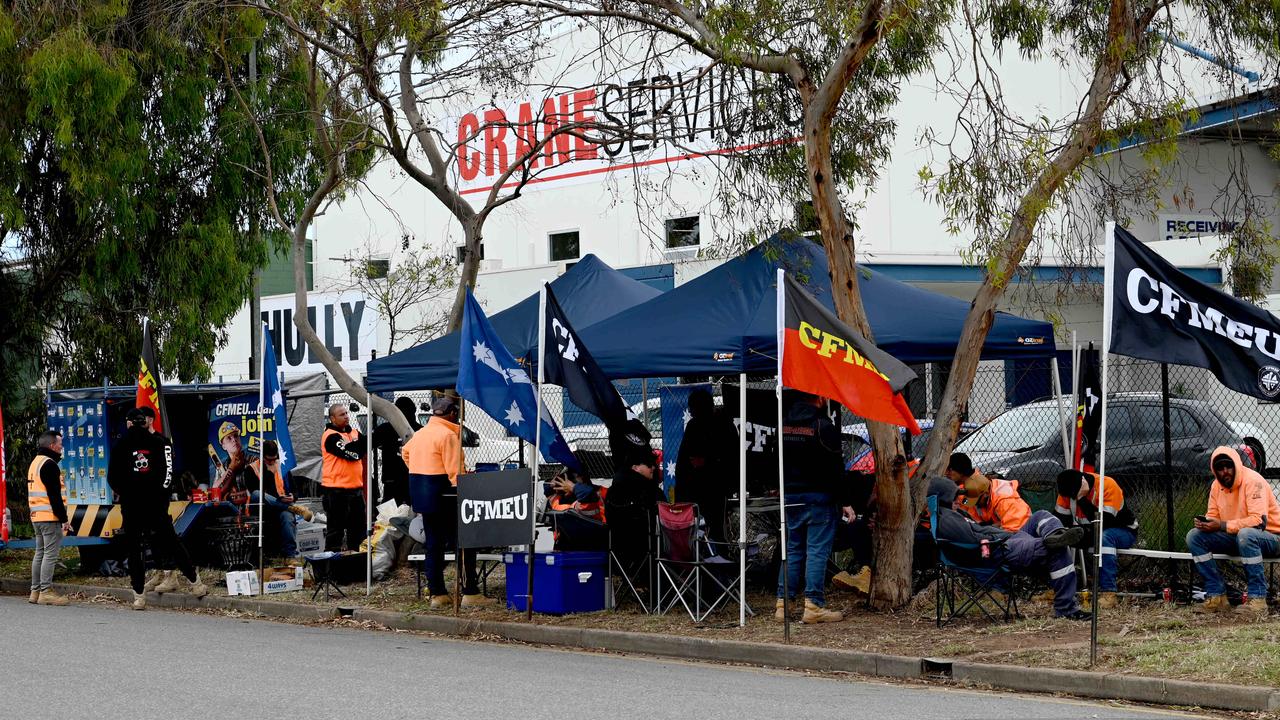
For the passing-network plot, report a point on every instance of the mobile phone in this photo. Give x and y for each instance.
(1202, 518)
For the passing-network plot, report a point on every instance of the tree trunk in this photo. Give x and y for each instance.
(892, 585)
(470, 268)
(384, 408)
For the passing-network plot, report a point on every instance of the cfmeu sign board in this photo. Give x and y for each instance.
(494, 507)
(345, 322)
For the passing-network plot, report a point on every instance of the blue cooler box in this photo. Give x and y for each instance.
(563, 582)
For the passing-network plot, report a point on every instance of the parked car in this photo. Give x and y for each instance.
(1025, 443)
(860, 457)
(1255, 438)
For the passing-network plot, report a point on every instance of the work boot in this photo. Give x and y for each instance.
(1077, 614)
(35, 596)
(139, 601)
(51, 597)
(1256, 607)
(1045, 597)
(1064, 537)
(168, 585)
(1217, 603)
(780, 610)
(301, 512)
(860, 582)
(815, 613)
(440, 602)
(1107, 600)
(476, 600)
(153, 579)
(197, 589)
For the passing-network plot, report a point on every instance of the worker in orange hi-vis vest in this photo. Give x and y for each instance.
(47, 499)
(342, 450)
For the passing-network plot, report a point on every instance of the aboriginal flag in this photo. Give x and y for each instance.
(819, 354)
(149, 381)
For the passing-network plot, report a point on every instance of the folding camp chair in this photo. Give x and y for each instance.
(631, 568)
(963, 586)
(697, 573)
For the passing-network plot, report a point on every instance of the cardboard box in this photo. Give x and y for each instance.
(242, 582)
(279, 586)
(310, 539)
(245, 582)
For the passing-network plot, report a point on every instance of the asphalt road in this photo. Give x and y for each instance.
(104, 661)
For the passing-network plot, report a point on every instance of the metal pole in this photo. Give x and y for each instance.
(255, 294)
(262, 463)
(1108, 288)
(1062, 412)
(1168, 471)
(742, 499)
(368, 497)
(537, 452)
(782, 491)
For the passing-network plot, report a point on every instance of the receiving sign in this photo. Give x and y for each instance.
(493, 508)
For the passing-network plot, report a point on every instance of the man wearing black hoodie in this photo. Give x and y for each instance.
(141, 475)
(395, 474)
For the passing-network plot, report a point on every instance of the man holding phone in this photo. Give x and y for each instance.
(1243, 519)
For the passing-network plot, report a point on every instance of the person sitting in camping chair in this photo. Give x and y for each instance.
(575, 508)
(1042, 545)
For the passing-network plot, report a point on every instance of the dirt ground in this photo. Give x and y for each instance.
(1140, 637)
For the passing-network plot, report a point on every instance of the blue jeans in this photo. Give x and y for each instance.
(811, 532)
(1117, 538)
(1251, 545)
(274, 507)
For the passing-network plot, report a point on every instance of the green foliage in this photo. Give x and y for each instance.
(135, 181)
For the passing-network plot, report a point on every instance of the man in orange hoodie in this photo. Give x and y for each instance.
(434, 458)
(1243, 519)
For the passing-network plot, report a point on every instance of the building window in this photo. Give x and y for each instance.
(564, 245)
(682, 232)
(377, 268)
(277, 277)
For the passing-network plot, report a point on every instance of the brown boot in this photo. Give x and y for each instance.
(51, 597)
(1217, 603)
(780, 610)
(858, 583)
(301, 512)
(814, 613)
(1256, 608)
(1107, 600)
(439, 602)
(477, 601)
(33, 597)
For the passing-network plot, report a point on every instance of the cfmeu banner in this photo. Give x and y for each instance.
(1159, 313)
(493, 508)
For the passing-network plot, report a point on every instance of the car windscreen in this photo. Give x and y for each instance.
(1016, 430)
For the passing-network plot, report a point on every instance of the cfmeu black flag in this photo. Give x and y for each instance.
(566, 362)
(1088, 412)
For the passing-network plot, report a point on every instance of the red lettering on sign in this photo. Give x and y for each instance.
(583, 101)
(468, 160)
(526, 136)
(556, 151)
(495, 141)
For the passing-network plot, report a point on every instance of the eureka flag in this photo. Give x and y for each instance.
(819, 354)
(491, 378)
(566, 362)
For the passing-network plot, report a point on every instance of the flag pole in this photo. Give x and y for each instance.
(537, 452)
(742, 499)
(1062, 411)
(262, 463)
(782, 492)
(368, 493)
(1107, 302)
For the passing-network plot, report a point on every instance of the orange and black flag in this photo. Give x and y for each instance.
(149, 381)
(819, 354)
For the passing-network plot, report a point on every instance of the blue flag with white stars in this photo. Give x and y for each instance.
(491, 378)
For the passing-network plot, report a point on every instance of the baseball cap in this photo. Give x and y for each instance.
(443, 405)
